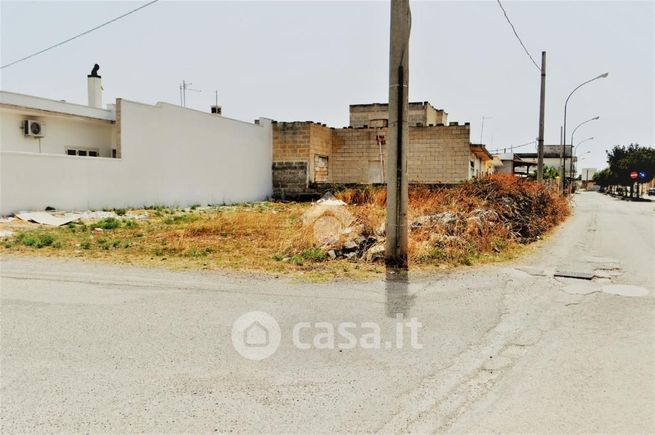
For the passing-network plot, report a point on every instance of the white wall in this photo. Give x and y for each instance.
(170, 156)
(61, 132)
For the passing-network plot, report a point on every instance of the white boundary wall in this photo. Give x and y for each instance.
(170, 156)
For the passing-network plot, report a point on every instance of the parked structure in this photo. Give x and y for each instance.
(523, 164)
(73, 157)
(307, 154)
(511, 163)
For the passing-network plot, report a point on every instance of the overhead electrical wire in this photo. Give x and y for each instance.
(513, 147)
(78, 35)
(517, 35)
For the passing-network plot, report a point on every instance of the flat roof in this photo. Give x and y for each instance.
(15, 101)
(481, 151)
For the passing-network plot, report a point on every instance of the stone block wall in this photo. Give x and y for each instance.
(289, 179)
(420, 114)
(439, 155)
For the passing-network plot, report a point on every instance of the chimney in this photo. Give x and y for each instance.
(95, 88)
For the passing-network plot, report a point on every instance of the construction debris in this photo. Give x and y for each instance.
(41, 217)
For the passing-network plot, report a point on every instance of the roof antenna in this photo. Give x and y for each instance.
(184, 87)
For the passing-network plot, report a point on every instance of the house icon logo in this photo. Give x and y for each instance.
(256, 335)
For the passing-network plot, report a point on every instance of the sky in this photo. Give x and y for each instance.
(308, 61)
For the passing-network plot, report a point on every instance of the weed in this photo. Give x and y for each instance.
(35, 240)
(313, 254)
(85, 244)
(194, 252)
(297, 260)
(181, 218)
(109, 223)
(130, 224)
(115, 243)
(120, 211)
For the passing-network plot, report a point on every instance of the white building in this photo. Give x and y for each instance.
(76, 157)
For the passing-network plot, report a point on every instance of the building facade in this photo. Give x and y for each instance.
(75, 157)
(307, 154)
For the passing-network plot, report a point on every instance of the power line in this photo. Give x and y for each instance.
(517, 35)
(79, 35)
(513, 147)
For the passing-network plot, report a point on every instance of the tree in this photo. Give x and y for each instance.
(624, 160)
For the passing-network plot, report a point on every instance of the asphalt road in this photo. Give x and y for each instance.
(505, 348)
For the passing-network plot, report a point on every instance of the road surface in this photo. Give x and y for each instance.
(505, 348)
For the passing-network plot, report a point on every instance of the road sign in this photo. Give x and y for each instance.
(634, 175)
(642, 175)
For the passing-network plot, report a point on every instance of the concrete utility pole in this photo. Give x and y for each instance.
(398, 136)
(542, 112)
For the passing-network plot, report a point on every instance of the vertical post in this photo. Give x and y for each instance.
(561, 161)
(542, 112)
(398, 136)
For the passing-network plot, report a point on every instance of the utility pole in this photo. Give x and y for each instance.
(398, 136)
(542, 113)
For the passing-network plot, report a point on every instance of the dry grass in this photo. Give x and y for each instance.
(489, 220)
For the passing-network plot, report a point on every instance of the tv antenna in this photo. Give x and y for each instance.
(184, 87)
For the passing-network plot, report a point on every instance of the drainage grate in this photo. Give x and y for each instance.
(576, 275)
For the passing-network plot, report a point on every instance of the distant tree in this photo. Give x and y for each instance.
(550, 173)
(623, 160)
(605, 178)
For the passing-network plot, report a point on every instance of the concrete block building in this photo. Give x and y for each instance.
(307, 154)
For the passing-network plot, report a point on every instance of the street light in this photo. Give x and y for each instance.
(602, 76)
(572, 135)
(581, 142)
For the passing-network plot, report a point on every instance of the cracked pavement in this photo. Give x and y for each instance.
(511, 347)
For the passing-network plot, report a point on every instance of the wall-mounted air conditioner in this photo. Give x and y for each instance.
(34, 128)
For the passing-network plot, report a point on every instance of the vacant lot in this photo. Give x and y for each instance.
(484, 220)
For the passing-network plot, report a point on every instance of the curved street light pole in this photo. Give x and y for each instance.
(602, 76)
(595, 118)
(575, 149)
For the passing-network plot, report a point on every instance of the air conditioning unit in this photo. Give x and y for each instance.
(34, 128)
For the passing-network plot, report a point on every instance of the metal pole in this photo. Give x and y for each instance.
(542, 111)
(398, 136)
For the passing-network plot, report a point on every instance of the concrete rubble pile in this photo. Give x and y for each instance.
(338, 233)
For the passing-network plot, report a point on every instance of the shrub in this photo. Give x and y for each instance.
(120, 211)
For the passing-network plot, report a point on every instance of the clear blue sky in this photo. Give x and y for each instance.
(310, 60)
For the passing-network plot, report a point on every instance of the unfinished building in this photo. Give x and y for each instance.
(308, 154)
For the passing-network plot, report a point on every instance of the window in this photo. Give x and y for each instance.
(82, 152)
(320, 168)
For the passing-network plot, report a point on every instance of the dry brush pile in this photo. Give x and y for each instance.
(457, 224)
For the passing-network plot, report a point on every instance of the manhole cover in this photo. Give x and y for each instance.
(575, 275)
